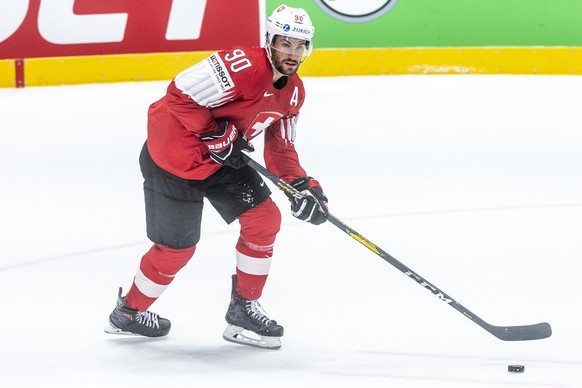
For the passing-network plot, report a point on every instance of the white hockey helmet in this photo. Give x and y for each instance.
(290, 22)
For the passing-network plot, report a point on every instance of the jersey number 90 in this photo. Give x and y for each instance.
(238, 59)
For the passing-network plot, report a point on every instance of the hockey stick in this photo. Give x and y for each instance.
(505, 333)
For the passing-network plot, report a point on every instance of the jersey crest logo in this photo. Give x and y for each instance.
(261, 122)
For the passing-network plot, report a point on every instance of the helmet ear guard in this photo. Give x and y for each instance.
(289, 22)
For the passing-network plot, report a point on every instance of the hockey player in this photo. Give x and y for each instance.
(196, 135)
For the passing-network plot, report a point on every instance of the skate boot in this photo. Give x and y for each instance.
(125, 320)
(248, 324)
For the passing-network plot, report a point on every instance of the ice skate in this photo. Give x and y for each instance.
(248, 324)
(128, 321)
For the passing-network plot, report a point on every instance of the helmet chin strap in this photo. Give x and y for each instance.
(269, 52)
(276, 73)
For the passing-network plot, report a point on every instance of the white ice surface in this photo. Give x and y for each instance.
(474, 182)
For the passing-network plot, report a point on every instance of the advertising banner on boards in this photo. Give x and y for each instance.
(54, 28)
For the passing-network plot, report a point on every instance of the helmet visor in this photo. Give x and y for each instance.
(293, 47)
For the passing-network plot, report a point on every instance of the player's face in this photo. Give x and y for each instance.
(287, 54)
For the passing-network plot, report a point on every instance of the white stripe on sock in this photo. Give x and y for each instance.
(252, 265)
(148, 287)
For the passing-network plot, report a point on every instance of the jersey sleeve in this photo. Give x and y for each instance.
(198, 89)
(280, 154)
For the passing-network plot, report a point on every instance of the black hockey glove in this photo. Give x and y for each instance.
(225, 145)
(312, 207)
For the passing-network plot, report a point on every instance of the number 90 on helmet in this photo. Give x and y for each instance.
(289, 22)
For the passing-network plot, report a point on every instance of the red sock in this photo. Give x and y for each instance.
(254, 249)
(252, 268)
(156, 271)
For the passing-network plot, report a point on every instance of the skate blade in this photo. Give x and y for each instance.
(238, 335)
(114, 330)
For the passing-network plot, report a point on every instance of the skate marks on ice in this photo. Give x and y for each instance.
(341, 367)
(456, 370)
(487, 179)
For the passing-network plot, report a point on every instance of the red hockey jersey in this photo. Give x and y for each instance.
(234, 85)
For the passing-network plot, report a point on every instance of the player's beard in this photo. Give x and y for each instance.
(286, 66)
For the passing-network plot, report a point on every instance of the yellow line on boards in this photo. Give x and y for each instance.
(322, 62)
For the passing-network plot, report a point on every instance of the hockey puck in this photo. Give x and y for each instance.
(516, 368)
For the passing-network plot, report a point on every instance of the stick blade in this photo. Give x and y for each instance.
(522, 333)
